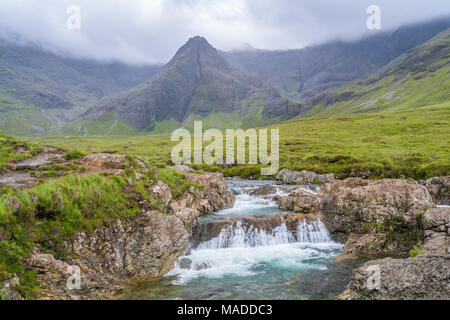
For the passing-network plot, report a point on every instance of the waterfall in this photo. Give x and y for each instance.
(238, 236)
(252, 242)
(313, 232)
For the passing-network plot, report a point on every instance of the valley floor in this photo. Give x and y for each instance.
(411, 144)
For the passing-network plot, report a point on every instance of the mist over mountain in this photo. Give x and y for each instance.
(197, 83)
(303, 73)
(41, 92)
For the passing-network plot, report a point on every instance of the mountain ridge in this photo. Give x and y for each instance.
(196, 83)
(303, 73)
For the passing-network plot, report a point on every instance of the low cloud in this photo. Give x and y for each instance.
(148, 31)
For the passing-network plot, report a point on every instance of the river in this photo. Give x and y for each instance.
(233, 259)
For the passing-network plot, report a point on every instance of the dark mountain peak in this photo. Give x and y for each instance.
(198, 41)
(198, 51)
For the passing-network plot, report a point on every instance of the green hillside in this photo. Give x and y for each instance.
(412, 143)
(418, 78)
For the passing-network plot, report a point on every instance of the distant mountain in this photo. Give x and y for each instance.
(420, 77)
(40, 91)
(303, 73)
(198, 83)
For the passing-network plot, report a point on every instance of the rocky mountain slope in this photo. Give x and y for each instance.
(198, 83)
(303, 73)
(40, 91)
(418, 78)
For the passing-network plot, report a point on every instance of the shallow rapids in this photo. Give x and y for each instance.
(245, 261)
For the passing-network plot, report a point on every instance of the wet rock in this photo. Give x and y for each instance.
(421, 277)
(201, 266)
(35, 162)
(298, 200)
(439, 188)
(185, 263)
(374, 217)
(153, 245)
(212, 196)
(205, 231)
(304, 177)
(436, 225)
(361, 206)
(264, 190)
(140, 248)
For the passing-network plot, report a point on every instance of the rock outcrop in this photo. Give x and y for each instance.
(362, 206)
(421, 277)
(439, 188)
(264, 190)
(390, 218)
(388, 210)
(299, 200)
(435, 223)
(125, 251)
(213, 196)
(286, 176)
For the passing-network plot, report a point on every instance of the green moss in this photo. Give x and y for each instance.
(74, 154)
(9, 150)
(317, 181)
(415, 252)
(176, 181)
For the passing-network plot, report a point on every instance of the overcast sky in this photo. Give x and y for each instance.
(140, 31)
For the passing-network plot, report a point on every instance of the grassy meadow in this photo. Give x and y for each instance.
(392, 144)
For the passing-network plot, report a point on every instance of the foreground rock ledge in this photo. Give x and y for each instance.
(421, 277)
(383, 218)
(121, 253)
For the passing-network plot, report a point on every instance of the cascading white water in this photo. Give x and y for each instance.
(312, 232)
(243, 250)
(236, 236)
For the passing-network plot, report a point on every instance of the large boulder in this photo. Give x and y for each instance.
(374, 217)
(436, 230)
(142, 249)
(439, 188)
(421, 277)
(286, 176)
(194, 202)
(264, 190)
(362, 206)
(154, 243)
(299, 200)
